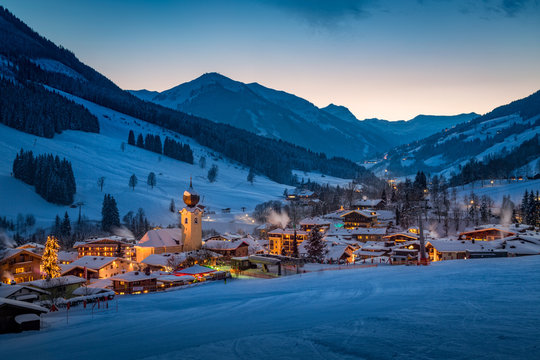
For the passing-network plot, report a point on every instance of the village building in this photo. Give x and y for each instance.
(309, 223)
(16, 316)
(168, 281)
(485, 234)
(202, 273)
(62, 286)
(401, 237)
(228, 249)
(444, 249)
(340, 254)
(21, 292)
(159, 241)
(33, 247)
(281, 240)
(107, 246)
(19, 265)
(67, 257)
(368, 204)
(358, 234)
(102, 267)
(403, 256)
(191, 220)
(134, 282)
(301, 194)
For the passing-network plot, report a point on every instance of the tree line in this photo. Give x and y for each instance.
(247, 148)
(51, 176)
(530, 208)
(170, 148)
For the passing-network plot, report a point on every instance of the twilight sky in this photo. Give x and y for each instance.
(380, 58)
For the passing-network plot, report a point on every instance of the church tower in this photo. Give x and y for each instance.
(191, 219)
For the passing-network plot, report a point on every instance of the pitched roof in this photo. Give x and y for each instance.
(195, 270)
(460, 245)
(59, 281)
(22, 304)
(67, 256)
(94, 262)
(224, 245)
(12, 252)
(134, 276)
(161, 238)
(8, 290)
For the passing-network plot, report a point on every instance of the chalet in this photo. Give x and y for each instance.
(98, 267)
(225, 237)
(301, 194)
(309, 223)
(281, 240)
(67, 257)
(16, 316)
(485, 234)
(359, 218)
(159, 241)
(134, 282)
(369, 205)
(403, 256)
(19, 265)
(338, 253)
(357, 234)
(62, 286)
(372, 249)
(197, 271)
(106, 247)
(33, 247)
(402, 237)
(167, 281)
(228, 249)
(21, 293)
(442, 249)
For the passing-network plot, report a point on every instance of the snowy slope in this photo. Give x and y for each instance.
(95, 155)
(462, 309)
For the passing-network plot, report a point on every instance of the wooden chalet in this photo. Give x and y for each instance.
(16, 316)
(485, 234)
(359, 218)
(376, 204)
(400, 237)
(228, 249)
(108, 246)
(134, 282)
(20, 265)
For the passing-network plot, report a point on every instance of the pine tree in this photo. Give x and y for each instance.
(109, 213)
(57, 227)
(131, 138)
(133, 181)
(140, 141)
(212, 173)
(316, 247)
(151, 181)
(66, 226)
(251, 176)
(49, 259)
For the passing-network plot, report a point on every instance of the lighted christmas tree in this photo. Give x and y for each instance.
(49, 260)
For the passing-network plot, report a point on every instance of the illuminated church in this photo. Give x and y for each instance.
(191, 220)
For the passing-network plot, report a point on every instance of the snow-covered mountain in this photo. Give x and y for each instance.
(506, 134)
(270, 113)
(333, 130)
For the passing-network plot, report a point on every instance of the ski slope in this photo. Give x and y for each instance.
(96, 155)
(463, 309)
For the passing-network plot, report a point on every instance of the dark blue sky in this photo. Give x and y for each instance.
(380, 58)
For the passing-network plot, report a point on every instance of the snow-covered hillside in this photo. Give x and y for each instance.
(462, 309)
(96, 155)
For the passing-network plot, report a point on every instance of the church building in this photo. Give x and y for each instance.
(191, 220)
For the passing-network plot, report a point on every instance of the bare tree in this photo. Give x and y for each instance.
(101, 182)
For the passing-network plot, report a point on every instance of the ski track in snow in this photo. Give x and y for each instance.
(482, 309)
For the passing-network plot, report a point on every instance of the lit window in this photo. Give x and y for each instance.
(19, 270)
(185, 221)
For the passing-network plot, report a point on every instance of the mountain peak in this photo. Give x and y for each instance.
(340, 112)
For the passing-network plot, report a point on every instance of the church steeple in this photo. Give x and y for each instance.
(191, 198)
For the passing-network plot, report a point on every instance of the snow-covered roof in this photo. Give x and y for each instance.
(443, 245)
(162, 238)
(22, 304)
(287, 231)
(109, 239)
(59, 281)
(8, 290)
(356, 232)
(317, 220)
(335, 252)
(361, 252)
(85, 290)
(223, 245)
(6, 254)
(163, 259)
(174, 278)
(195, 270)
(94, 262)
(31, 245)
(134, 276)
(368, 202)
(67, 256)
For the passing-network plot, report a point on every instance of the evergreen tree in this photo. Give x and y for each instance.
(212, 173)
(172, 206)
(49, 259)
(109, 213)
(133, 181)
(202, 162)
(151, 180)
(131, 138)
(251, 176)
(66, 227)
(57, 227)
(140, 141)
(316, 247)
